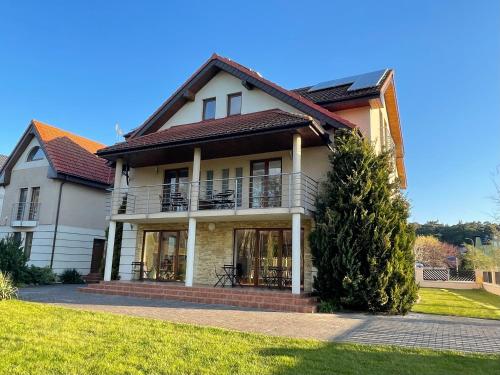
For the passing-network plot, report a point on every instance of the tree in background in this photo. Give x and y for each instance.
(460, 233)
(362, 245)
(433, 253)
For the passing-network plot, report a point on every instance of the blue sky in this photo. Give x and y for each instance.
(85, 65)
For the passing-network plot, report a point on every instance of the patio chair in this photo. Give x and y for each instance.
(221, 278)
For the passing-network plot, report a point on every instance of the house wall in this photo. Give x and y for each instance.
(73, 247)
(212, 249)
(219, 87)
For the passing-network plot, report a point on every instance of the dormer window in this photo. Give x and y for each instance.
(234, 104)
(209, 109)
(35, 154)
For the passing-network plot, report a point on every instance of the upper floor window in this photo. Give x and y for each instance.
(234, 104)
(209, 109)
(36, 153)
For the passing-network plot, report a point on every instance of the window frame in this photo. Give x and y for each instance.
(229, 97)
(31, 155)
(205, 101)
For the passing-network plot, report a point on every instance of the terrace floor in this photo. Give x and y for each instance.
(412, 330)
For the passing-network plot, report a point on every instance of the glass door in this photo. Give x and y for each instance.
(175, 190)
(246, 255)
(168, 256)
(21, 207)
(265, 184)
(269, 257)
(164, 256)
(35, 195)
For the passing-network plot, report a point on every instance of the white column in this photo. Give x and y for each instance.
(115, 203)
(297, 160)
(117, 193)
(191, 241)
(109, 251)
(195, 179)
(296, 230)
(296, 253)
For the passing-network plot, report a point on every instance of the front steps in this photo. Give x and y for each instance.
(247, 297)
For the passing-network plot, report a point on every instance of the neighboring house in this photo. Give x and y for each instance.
(227, 169)
(55, 196)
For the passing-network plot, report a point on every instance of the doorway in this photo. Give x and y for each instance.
(164, 255)
(97, 255)
(263, 254)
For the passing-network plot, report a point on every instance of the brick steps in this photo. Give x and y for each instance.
(238, 297)
(92, 278)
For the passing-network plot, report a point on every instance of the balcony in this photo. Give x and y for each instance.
(25, 214)
(251, 195)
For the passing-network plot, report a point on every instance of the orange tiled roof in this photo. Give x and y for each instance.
(72, 154)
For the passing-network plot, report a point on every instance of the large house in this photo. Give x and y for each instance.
(223, 176)
(54, 198)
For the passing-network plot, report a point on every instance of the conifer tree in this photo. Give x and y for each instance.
(362, 243)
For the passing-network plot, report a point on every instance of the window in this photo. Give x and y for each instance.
(36, 153)
(210, 184)
(234, 104)
(239, 186)
(33, 209)
(209, 109)
(225, 180)
(28, 241)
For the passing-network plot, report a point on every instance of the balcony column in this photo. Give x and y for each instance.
(296, 230)
(191, 240)
(112, 224)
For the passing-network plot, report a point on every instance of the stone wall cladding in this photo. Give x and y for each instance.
(215, 248)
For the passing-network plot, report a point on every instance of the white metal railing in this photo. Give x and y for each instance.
(25, 213)
(285, 190)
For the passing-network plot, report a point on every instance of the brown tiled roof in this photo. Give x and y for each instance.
(273, 119)
(3, 159)
(340, 93)
(73, 155)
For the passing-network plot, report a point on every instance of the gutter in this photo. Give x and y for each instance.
(56, 225)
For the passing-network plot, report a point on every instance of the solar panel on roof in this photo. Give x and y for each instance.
(357, 82)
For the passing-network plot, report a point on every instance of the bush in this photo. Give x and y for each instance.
(38, 276)
(362, 244)
(7, 288)
(12, 258)
(71, 276)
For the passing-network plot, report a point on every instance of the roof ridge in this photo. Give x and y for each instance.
(44, 124)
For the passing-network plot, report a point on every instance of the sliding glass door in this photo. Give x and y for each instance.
(164, 255)
(263, 257)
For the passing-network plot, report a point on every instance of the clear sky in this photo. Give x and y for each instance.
(85, 65)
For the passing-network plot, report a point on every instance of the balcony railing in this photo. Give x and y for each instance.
(25, 214)
(284, 190)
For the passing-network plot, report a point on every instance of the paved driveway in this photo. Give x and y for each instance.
(413, 330)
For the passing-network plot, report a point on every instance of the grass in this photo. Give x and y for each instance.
(42, 339)
(470, 303)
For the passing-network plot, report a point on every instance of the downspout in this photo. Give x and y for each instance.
(57, 224)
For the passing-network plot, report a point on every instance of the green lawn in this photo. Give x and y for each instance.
(41, 339)
(472, 303)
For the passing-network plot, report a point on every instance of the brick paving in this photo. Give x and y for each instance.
(413, 330)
